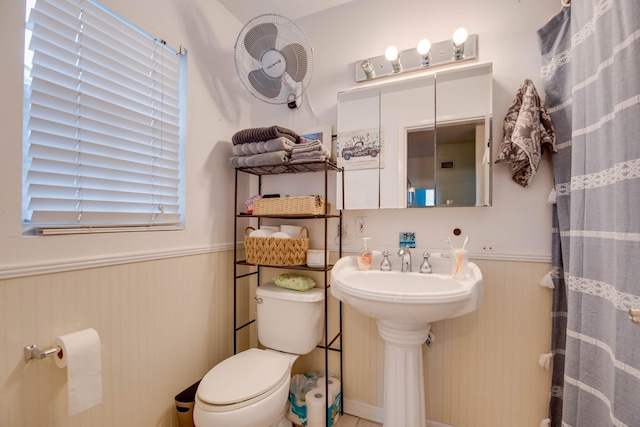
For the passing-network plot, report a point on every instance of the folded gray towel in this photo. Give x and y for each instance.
(310, 146)
(264, 134)
(263, 159)
(310, 151)
(309, 158)
(251, 148)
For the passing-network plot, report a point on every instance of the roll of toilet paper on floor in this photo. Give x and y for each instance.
(80, 354)
(334, 385)
(316, 407)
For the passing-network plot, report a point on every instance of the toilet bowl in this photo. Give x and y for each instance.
(251, 388)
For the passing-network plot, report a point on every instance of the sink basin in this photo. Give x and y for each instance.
(404, 306)
(406, 297)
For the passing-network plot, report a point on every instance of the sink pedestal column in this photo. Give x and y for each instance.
(403, 373)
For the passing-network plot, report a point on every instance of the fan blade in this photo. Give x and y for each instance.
(296, 58)
(261, 39)
(267, 86)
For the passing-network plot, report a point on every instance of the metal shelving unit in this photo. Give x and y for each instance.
(331, 343)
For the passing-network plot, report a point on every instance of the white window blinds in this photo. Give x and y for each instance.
(103, 121)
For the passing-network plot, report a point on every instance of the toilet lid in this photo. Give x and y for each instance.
(243, 376)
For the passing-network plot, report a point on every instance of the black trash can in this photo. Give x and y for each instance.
(185, 401)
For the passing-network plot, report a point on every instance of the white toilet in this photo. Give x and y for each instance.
(251, 388)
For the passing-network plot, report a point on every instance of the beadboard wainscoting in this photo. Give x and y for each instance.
(163, 323)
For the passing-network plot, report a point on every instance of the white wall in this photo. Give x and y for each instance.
(518, 224)
(217, 107)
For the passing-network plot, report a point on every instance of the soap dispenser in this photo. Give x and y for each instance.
(365, 256)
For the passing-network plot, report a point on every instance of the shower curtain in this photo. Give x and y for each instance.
(591, 75)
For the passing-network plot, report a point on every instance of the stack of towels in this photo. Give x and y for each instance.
(275, 145)
(314, 150)
(263, 146)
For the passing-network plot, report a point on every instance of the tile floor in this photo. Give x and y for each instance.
(351, 421)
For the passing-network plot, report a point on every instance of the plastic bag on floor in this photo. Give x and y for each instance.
(300, 386)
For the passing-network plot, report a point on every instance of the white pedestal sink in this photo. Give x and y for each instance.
(405, 305)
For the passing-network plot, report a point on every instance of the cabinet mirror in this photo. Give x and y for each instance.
(420, 142)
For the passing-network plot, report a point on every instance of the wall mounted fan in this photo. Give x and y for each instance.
(274, 59)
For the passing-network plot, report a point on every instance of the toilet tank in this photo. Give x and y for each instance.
(290, 321)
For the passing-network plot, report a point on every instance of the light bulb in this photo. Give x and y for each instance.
(367, 67)
(424, 47)
(391, 53)
(460, 36)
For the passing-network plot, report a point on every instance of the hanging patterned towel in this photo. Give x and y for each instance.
(527, 131)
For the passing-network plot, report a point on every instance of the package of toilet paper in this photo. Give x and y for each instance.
(309, 413)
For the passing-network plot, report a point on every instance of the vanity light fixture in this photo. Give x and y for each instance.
(459, 38)
(462, 47)
(424, 49)
(393, 55)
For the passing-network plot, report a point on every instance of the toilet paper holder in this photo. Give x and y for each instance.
(32, 352)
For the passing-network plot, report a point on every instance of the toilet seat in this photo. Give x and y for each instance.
(243, 379)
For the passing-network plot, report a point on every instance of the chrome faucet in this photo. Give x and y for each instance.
(406, 259)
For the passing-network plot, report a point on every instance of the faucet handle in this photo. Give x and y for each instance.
(425, 267)
(385, 265)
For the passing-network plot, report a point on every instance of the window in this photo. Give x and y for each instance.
(104, 123)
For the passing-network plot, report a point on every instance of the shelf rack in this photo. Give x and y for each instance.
(335, 343)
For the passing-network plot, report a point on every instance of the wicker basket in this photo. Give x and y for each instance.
(305, 205)
(276, 252)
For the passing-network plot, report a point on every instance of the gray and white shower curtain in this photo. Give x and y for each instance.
(591, 76)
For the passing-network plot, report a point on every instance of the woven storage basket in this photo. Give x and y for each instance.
(276, 252)
(305, 205)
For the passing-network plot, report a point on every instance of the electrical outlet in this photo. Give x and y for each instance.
(345, 230)
(361, 226)
(487, 248)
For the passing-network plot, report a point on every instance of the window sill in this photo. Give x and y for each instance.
(64, 230)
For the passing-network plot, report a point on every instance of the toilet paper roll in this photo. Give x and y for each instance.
(81, 356)
(334, 385)
(316, 407)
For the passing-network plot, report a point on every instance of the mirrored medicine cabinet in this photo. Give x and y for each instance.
(418, 142)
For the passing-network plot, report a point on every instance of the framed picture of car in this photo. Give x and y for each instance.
(361, 149)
